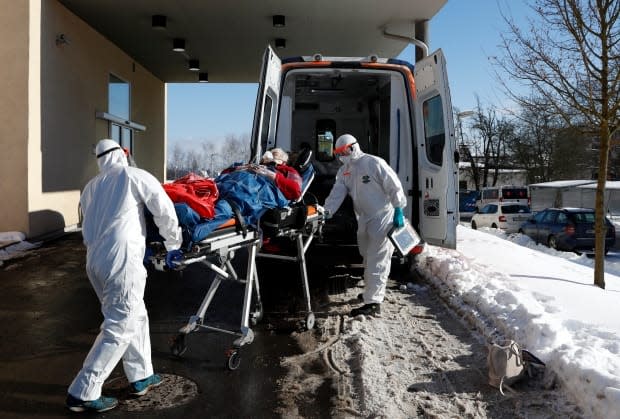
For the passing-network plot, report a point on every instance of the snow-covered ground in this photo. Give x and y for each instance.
(417, 360)
(543, 299)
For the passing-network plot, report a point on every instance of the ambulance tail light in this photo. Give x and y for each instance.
(419, 248)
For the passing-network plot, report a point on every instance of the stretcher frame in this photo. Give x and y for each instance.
(303, 237)
(222, 245)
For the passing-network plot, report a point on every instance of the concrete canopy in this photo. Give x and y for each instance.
(229, 37)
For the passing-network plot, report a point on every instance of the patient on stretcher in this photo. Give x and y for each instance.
(274, 167)
(246, 192)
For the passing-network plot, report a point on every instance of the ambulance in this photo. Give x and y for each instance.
(397, 111)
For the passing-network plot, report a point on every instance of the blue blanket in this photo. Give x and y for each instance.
(251, 193)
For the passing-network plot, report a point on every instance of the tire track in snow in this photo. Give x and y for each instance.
(418, 359)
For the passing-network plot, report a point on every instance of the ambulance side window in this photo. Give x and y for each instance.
(434, 130)
(264, 136)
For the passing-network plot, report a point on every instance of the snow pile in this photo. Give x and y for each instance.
(10, 237)
(13, 245)
(417, 360)
(545, 300)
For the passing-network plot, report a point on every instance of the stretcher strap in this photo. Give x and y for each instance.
(241, 225)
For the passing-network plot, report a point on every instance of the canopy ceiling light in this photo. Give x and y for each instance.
(279, 21)
(61, 39)
(194, 65)
(203, 77)
(178, 44)
(158, 21)
(280, 43)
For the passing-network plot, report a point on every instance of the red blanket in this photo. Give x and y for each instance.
(196, 191)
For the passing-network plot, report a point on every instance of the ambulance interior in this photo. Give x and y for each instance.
(319, 105)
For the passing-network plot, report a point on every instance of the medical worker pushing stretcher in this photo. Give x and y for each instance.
(378, 200)
(114, 231)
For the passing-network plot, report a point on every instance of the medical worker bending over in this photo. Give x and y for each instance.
(114, 234)
(378, 199)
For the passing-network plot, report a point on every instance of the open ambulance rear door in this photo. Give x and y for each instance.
(266, 110)
(435, 139)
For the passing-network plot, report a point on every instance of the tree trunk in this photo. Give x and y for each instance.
(600, 228)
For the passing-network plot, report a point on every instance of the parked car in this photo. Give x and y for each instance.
(569, 229)
(507, 216)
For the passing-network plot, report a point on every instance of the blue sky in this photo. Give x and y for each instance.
(468, 31)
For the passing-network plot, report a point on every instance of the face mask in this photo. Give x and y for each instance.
(344, 159)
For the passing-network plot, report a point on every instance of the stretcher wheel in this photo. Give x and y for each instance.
(234, 360)
(310, 321)
(178, 346)
(257, 314)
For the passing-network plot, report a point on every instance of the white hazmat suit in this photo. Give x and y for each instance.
(114, 233)
(375, 190)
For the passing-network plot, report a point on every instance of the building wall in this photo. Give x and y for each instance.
(14, 25)
(505, 177)
(69, 85)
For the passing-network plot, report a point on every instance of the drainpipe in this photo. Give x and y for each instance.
(421, 35)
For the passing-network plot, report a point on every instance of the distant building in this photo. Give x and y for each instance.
(613, 166)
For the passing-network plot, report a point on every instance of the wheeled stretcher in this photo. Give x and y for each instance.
(300, 223)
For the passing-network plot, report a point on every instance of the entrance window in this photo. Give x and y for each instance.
(120, 126)
(119, 94)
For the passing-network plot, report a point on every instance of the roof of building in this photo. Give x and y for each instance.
(229, 37)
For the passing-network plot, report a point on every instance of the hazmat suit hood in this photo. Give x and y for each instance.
(109, 154)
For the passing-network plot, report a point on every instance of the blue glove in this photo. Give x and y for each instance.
(398, 217)
(173, 256)
(148, 252)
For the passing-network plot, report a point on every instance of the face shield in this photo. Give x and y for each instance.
(344, 152)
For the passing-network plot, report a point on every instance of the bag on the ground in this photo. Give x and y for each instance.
(508, 363)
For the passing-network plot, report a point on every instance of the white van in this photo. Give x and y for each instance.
(505, 193)
(396, 111)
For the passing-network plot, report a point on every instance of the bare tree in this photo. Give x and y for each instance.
(176, 161)
(209, 156)
(208, 153)
(490, 144)
(235, 148)
(191, 161)
(533, 146)
(572, 155)
(466, 145)
(569, 53)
